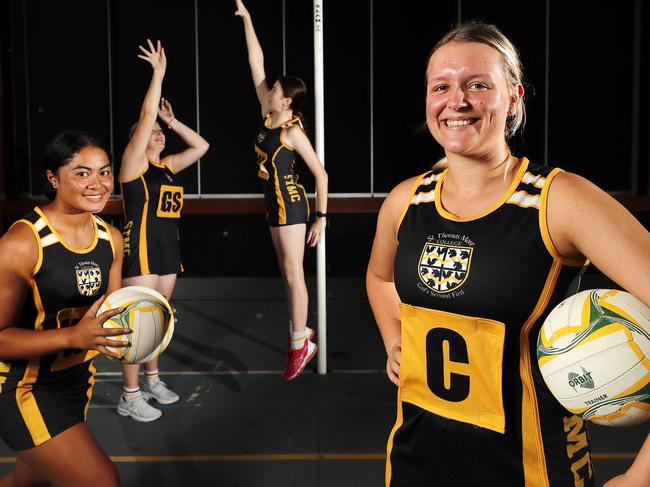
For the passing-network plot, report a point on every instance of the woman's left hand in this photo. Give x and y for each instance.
(315, 231)
(165, 111)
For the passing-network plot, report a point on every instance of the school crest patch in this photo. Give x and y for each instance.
(444, 268)
(89, 278)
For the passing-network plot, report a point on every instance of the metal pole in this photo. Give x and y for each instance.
(319, 94)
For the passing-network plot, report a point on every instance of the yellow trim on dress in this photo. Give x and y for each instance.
(39, 260)
(282, 210)
(509, 192)
(543, 225)
(143, 256)
(91, 381)
(389, 445)
(28, 406)
(415, 186)
(135, 177)
(24, 397)
(108, 232)
(534, 459)
(86, 250)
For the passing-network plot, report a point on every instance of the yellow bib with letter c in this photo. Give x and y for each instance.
(452, 366)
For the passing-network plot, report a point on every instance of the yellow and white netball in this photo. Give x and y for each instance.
(148, 314)
(594, 353)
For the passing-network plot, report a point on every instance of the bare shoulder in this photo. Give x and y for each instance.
(19, 250)
(116, 235)
(397, 198)
(569, 186)
(573, 197)
(579, 214)
(394, 205)
(295, 135)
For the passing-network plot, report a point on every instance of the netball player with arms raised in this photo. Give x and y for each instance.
(280, 137)
(56, 265)
(152, 207)
(467, 261)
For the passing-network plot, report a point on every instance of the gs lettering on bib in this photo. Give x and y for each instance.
(451, 366)
(170, 202)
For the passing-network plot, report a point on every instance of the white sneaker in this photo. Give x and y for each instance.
(159, 392)
(138, 409)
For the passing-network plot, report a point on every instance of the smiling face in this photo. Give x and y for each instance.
(469, 98)
(85, 182)
(156, 139)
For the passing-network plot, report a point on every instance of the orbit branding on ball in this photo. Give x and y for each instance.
(593, 351)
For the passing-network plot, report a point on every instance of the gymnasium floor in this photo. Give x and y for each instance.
(239, 425)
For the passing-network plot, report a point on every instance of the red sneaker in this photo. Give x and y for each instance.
(295, 360)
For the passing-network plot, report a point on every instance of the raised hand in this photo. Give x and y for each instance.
(165, 111)
(90, 334)
(242, 11)
(154, 55)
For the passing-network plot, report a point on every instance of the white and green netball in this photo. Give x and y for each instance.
(593, 351)
(148, 314)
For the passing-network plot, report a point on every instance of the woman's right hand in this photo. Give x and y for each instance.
(165, 111)
(90, 334)
(155, 56)
(242, 11)
(393, 363)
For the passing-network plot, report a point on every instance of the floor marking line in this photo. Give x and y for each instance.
(284, 457)
(614, 456)
(239, 372)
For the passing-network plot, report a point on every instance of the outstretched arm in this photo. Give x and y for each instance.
(197, 145)
(255, 56)
(134, 159)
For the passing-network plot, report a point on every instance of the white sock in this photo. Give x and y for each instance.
(298, 339)
(130, 393)
(152, 376)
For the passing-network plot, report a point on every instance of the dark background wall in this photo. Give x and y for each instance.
(73, 63)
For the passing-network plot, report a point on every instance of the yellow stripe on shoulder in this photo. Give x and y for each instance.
(430, 179)
(427, 197)
(100, 223)
(39, 224)
(48, 240)
(523, 199)
(536, 180)
(102, 230)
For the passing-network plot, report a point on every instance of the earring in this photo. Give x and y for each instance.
(54, 186)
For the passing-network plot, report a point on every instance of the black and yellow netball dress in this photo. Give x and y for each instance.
(41, 397)
(152, 207)
(286, 200)
(473, 408)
